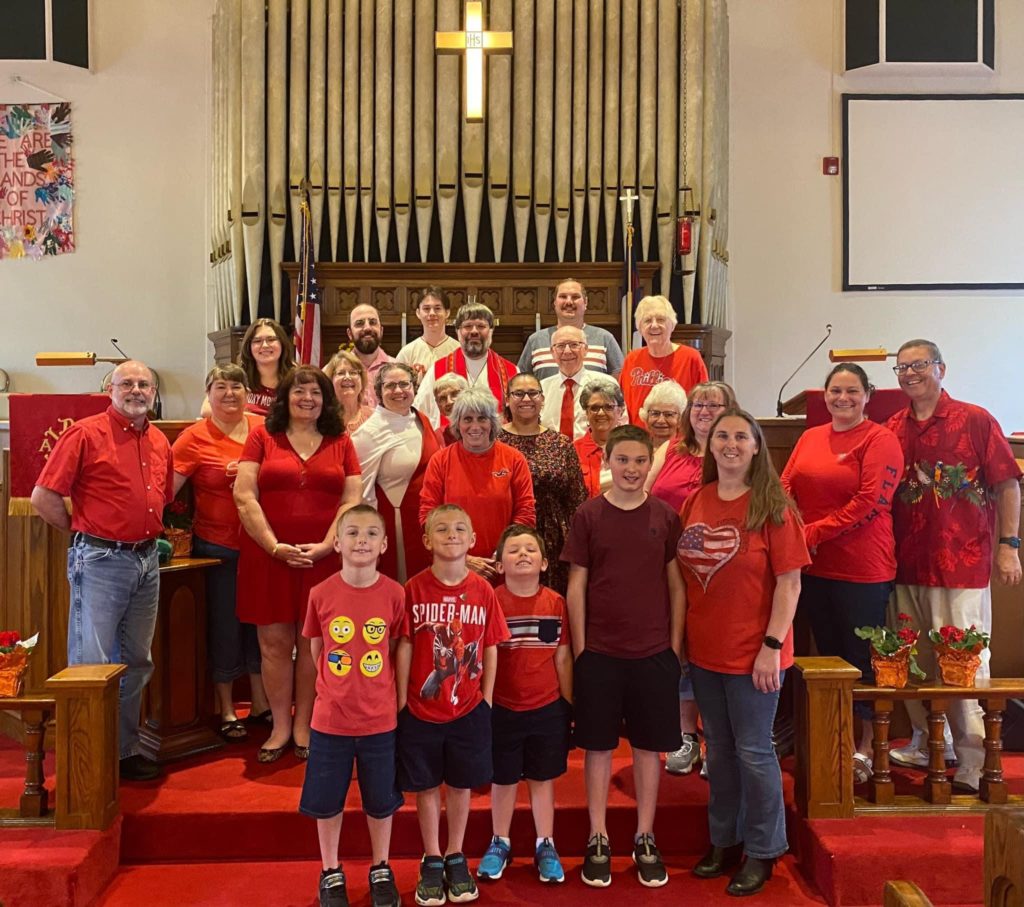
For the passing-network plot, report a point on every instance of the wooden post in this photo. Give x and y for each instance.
(824, 743)
(87, 744)
(936, 785)
(882, 787)
(34, 798)
(992, 788)
(1004, 868)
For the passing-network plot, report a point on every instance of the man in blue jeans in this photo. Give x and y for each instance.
(117, 470)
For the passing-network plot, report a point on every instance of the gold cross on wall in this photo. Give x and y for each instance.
(474, 41)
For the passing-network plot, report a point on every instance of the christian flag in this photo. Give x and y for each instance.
(307, 298)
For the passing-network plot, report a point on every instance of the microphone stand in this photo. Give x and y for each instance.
(821, 343)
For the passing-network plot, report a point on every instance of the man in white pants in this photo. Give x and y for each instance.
(960, 492)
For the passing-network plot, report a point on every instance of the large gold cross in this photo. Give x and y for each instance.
(474, 41)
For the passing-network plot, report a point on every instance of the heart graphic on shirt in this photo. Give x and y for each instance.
(704, 550)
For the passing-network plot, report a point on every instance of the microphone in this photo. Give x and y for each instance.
(821, 343)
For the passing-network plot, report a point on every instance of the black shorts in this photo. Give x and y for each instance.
(642, 692)
(533, 744)
(457, 753)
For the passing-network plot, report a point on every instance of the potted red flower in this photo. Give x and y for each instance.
(892, 653)
(14, 652)
(958, 653)
(178, 527)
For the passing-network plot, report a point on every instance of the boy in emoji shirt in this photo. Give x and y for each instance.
(353, 623)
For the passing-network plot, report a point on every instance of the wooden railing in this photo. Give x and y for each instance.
(83, 701)
(904, 894)
(825, 691)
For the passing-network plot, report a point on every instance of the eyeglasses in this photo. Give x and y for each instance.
(573, 345)
(127, 385)
(393, 386)
(598, 408)
(662, 414)
(710, 407)
(531, 394)
(265, 341)
(919, 365)
(346, 373)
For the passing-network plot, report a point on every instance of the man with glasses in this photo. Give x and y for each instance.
(603, 352)
(961, 482)
(474, 360)
(118, 472)
(562, 411)
(366, 333)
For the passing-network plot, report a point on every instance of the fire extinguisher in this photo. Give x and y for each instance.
(684, 235)
(684, 232)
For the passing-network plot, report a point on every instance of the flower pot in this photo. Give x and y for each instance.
(891, 671)
(957, 667)
(181, 541)
(12, 672)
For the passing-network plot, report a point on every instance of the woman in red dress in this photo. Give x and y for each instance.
(297, 474)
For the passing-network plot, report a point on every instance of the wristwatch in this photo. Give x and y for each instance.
(772, 642)
(1012, 540)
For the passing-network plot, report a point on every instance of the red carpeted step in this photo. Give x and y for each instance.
(293, 884)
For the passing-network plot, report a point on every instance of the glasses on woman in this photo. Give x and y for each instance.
(392, 386)
(918, 365)
(710, 407)
(598, 408)
(529, 395)
(265, 341)
(668, 414)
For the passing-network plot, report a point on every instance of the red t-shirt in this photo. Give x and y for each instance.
(944, 514)
(118, 478)
(625, 553)
(641, 371)
(537, 625)
(355, 681)
(210, 458)
(450, 626)
(844, 483)
(590, 456)
(495, 488)
(258, 400)
(730, 573)
(680, 476)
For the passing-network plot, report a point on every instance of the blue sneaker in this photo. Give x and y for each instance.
(549, 867)
(493, 864)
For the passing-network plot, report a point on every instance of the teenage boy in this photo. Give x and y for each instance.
(432, 310)
(445, 665)
(625, 602)
(532, 692)
(353, 622)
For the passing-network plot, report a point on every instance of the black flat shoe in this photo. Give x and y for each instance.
(266, 755)
(718, 861)
(750, 877)
(265, 717)
(138, 768)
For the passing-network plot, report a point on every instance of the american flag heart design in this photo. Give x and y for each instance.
(705, 549)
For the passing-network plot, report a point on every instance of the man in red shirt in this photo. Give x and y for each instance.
(960, 480)
(117, 470)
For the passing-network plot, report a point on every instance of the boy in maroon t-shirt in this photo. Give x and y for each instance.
(445, 663)
(353, 622)
(625, 601)
(532, 690)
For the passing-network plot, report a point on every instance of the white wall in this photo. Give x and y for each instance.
(141, 124)
(786, 219)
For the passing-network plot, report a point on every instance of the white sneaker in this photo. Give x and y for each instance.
(682, 761)
(915, 753)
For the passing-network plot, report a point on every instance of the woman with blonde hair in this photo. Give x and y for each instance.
(351, 383)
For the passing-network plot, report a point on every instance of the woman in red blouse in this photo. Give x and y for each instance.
(602, 401)
(297, 475)
(843, 477)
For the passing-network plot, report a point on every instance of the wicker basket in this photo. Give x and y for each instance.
(891, 671)
(12, 672)
(181, 541)
(957, 667)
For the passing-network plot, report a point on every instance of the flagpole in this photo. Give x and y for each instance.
(628, 200)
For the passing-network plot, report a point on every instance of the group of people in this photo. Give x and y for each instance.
(583, 538)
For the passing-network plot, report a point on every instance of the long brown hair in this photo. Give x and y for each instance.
(245, 358)
(768, 499)
(688, 439)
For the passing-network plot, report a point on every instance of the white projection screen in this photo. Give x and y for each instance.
(933, 192)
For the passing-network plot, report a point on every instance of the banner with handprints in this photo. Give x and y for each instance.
(37, 180)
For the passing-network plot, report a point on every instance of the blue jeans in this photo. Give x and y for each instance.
(114, 598)
(745, 801)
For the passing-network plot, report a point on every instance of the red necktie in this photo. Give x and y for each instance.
(567, 419)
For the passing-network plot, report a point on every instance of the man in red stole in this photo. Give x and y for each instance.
(474, 360)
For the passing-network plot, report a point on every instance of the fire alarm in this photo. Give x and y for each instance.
(830, 166)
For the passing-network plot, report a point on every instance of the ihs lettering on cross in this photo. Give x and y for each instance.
(474, 41)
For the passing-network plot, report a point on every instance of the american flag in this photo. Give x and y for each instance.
(704, 550)
(307, 298)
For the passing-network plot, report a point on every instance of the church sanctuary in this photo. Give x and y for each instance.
(355, 351)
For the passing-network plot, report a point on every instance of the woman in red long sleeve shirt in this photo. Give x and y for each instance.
(843, 477)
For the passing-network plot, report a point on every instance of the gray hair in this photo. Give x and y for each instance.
(666, 392)
(450, 379)
(378, 379)
(604, 385)
(232, 373)
(475, 401)
(655, 304)
(933, 350)
(472, 311)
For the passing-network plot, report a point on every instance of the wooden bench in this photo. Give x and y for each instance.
(826, 688)
(83, 700)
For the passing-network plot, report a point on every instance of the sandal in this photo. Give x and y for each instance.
(233, 731)
(266, 755)
(862, 768)
(265, 717)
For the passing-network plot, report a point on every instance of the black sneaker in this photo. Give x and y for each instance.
(383, 891)
(597, 865)
(461, 887)
(332, 888)
(430, 887)
(138, 768)
(649, 868)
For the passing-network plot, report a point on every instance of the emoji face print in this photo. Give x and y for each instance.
(372, 663)
(342, 630)
(374, 630)
(339, 662)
